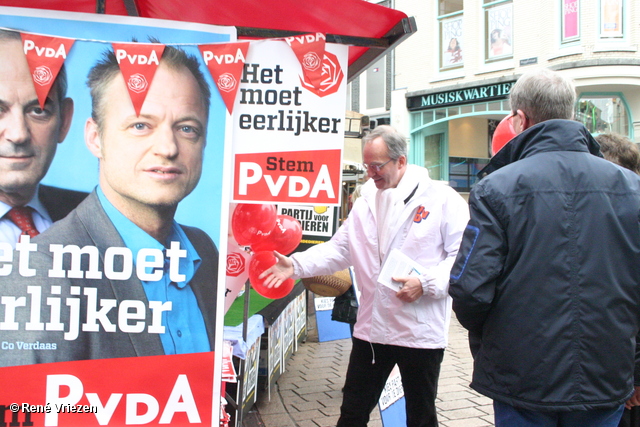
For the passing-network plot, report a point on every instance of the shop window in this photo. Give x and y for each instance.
(451, 34)
(463, 172)
(570, 18)
(433, 155)
(611, 22)
(603, 113)
(498, 30)
(494, 106)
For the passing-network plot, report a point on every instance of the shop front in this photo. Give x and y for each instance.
(608, 95)
(451, 127)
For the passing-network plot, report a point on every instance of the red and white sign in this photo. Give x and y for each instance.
(292, 177)
(225, 63)
(288, 134)
(138, 63)
(148, 391)
(45, 56)
(309, 49)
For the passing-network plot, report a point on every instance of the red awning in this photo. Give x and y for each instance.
(371, 30)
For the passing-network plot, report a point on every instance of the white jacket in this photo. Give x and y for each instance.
(432, 241)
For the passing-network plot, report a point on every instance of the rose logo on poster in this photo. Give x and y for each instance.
(42, 75)
(227, 83)
(137, 83)
(235, 264)
(332, 76)
(311, 61)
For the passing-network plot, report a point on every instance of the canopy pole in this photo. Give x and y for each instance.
(130, 5)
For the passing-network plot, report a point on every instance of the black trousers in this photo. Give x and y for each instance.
(630, 417)
(369, 368)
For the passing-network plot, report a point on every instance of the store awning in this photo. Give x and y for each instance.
(371, 30)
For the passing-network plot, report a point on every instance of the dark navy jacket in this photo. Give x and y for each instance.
(548, 273)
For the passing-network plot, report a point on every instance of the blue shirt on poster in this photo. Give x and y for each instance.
(185, 330)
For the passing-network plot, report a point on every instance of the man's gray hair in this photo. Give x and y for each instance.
(542, 95)
(395, 141)
(107, 68)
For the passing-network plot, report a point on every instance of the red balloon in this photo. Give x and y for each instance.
(260, 261)
(250, 221)
(504, 133)
(284, 237)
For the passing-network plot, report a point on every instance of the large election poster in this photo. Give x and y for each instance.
(113, 316)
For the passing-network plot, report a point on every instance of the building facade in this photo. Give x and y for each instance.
(447, 86)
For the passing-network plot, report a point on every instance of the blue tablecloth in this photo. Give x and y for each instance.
(255, 329)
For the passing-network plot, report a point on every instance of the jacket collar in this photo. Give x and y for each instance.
(550, 135)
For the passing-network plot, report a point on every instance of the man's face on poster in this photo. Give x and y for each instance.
(154, 159)
(29, 134)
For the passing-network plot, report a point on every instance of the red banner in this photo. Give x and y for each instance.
(295, 177)
(309, 49)
(45, 56)
(225, 63)
(138, 63)
(150, 391)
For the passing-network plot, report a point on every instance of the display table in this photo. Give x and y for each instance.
(274, 329)
(286, 325)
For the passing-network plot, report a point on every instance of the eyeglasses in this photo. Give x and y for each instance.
(376, 168)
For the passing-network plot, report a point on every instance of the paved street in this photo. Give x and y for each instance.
(309, 393)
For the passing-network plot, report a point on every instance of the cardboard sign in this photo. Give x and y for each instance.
(288, 140)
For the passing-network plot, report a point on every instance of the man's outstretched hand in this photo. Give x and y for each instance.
(277, 273)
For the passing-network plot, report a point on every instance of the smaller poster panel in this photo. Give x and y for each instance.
(287, 133)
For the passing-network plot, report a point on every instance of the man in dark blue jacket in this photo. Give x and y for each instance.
(548, 273)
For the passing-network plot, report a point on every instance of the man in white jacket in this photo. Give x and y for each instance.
(400, 208)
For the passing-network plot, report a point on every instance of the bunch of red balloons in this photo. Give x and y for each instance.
(261, 228)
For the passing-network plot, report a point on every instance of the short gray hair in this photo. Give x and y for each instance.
(395, 141)
(542, 95)
(107, 68)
